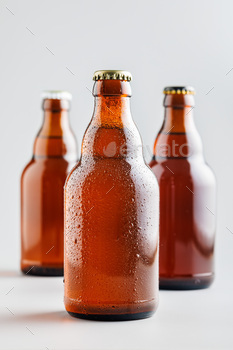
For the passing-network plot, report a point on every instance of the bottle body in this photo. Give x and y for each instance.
(42, 181)
(111, 214)
(187, 200)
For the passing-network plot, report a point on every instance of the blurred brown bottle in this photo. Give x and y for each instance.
(111, 214)
(187, 197)
(42, 182)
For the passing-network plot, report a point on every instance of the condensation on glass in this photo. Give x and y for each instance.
(111, 214)
(187, 197)
(42, 182)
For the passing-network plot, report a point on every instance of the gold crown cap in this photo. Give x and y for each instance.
(112, 75)
(180, 90)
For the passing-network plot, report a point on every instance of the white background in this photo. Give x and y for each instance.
(161, 43)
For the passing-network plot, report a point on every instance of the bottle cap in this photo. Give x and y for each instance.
(112, 75)
(56, 95)
(179, 90)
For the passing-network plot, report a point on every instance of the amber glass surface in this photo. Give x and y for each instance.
(111, 217)
(187, 199)
(42, 182)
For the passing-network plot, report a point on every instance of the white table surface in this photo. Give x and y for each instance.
(32, 316)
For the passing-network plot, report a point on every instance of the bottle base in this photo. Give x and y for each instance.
(186, 283)
(119, 317)
(43, 271)
(113, 311)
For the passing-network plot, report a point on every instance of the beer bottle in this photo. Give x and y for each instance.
(42, 181)
(111, 214)
(187, 197)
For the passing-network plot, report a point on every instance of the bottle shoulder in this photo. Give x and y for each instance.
(28, 167)
(55, 146)
(183, 169)
(42, 167)
(117, 170)
(172, 144)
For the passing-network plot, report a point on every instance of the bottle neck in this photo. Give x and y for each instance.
(111, 111)
(178, 120)
(178, 137)
(55, 138)
(55, 124)
(112, 132)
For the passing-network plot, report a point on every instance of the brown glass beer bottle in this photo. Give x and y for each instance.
(187, 197)
(111, 214)
(42, 182)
